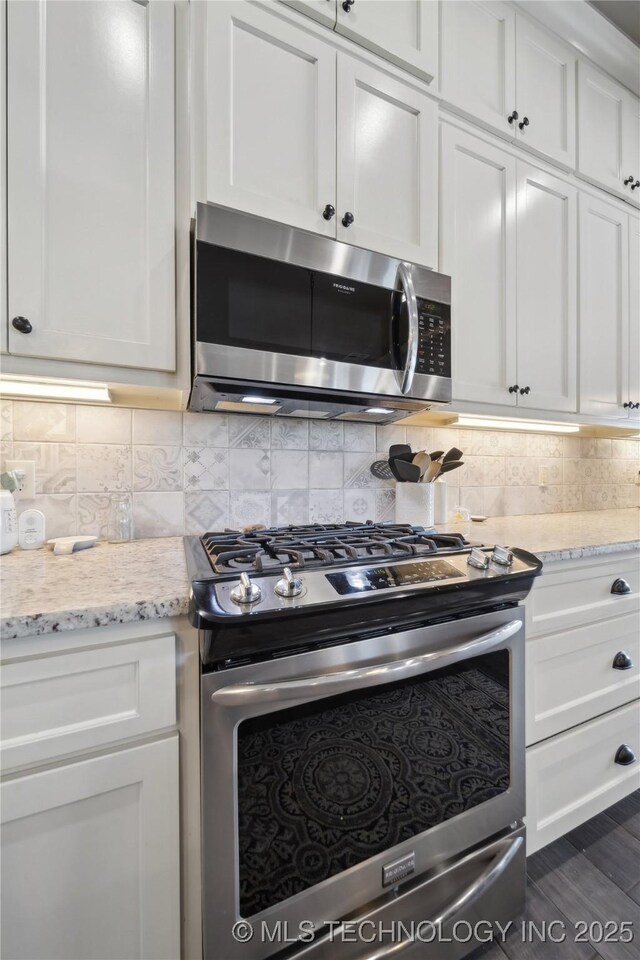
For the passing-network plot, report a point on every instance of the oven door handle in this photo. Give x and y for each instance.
(344, 681)
(406, 282)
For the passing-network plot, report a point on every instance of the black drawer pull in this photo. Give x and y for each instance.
(625, 755)
(622, 661)
(22, 324)
(620, 587)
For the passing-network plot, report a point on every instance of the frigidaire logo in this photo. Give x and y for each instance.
(344, 288)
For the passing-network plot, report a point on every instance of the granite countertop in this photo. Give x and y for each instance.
(147, 579)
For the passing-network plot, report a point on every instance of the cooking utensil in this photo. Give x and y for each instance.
(451, 465)
(381, 470)
(436, 454)
(400, 451)
(453, 454)
(422, 460)
(406, 471)
(433, 471)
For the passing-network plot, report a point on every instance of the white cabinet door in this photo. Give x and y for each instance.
(403, 31)
(604, 308)
(387, 164)
(90, 858)
(477, 60)
(600, 122)
(324, 11)
(631, 148)
(545, 93)
(91, 216)
(634, 316)
(478, 250)
(546, 281)
(271, 117)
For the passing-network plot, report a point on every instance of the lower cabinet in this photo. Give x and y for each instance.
(90, 858)
(583, 692)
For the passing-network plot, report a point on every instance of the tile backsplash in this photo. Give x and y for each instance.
(191, 472)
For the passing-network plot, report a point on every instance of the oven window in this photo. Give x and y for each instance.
(325, 786)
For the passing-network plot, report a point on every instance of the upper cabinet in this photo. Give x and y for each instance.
(510, 75)
(634, 317)
(324, 11)
(91, 214)
(403, 31)
(608, 133)
(508, 238)
(353, 156)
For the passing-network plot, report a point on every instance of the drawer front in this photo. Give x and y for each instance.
(84, 699)
(574, 776)
(571, 676)
(569, 596)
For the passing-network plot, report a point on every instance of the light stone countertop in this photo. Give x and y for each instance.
(147, 579)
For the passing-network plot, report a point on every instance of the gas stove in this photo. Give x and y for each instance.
(272, 591)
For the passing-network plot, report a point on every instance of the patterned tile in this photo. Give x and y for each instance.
(494, 501)
(571, 497)
(289, 469)
(420, 438)
(205, 429)
(249, 469)
(551, 498)
(326, 435)
(103, 425)
(540, 445)
(360, 505)
(521, 472)
(103, 468)
(325, 469)
(55, 465)
(360, 436)
(326, 506)
(494, 471)
(289, 506)
(60, 514)
(6, 419)
(206, 468)
(163, 427)
(158, 514)
(388, 434)
(572, 447)
(44, 421)
(206, 512)
(289, 435)
(472, 498)
(245, 431)
(248, 507)
(157, 468)
(94, 512)
(386, 505)
(357, 471)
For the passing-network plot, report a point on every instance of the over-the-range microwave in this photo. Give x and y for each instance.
(292, 324)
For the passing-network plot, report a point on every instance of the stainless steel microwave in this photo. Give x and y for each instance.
(292, 324)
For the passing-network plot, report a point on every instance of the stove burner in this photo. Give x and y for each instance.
(299, 547)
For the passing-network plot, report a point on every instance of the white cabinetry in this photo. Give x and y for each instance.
(324, 11)
(91, 216)
(373, 156)
(89, 802)
(509, 74)
(608, 133)
(634, 317)
(604, 308)
(515, 315)
(583, 692)
(403, 31)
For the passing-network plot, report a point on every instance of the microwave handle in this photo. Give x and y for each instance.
(344, 681)
(406, 282)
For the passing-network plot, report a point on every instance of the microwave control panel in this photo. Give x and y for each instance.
(434, 338)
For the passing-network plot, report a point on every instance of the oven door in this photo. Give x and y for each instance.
(339, 777)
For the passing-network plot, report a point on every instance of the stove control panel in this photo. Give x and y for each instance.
(363, 580)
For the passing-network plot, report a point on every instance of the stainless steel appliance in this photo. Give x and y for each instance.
(288, 323)
(362, 738)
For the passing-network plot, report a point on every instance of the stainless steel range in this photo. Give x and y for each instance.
(362, 731)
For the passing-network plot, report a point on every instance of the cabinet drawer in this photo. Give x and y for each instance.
(574, 776)
(80, 700)
(565, 598)
(571, 677)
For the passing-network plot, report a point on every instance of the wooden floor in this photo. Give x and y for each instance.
(591, 875)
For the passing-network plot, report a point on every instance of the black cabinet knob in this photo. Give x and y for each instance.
(635, 406)
(514, 388)
(348, 218)
(346, 6)
(22, 324)
(513, 116)
(328, 212)
(620, 587)
(524, 123)
(625, 755)
(636, 184)
(628, 405)
(628, 181)
(524, 391)
(622, 661)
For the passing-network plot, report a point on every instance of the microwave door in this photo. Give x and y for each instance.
(403, 330)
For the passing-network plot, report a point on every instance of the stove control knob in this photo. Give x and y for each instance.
(478, 559)
(246, 592)
(288, 585)
(502, 556)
